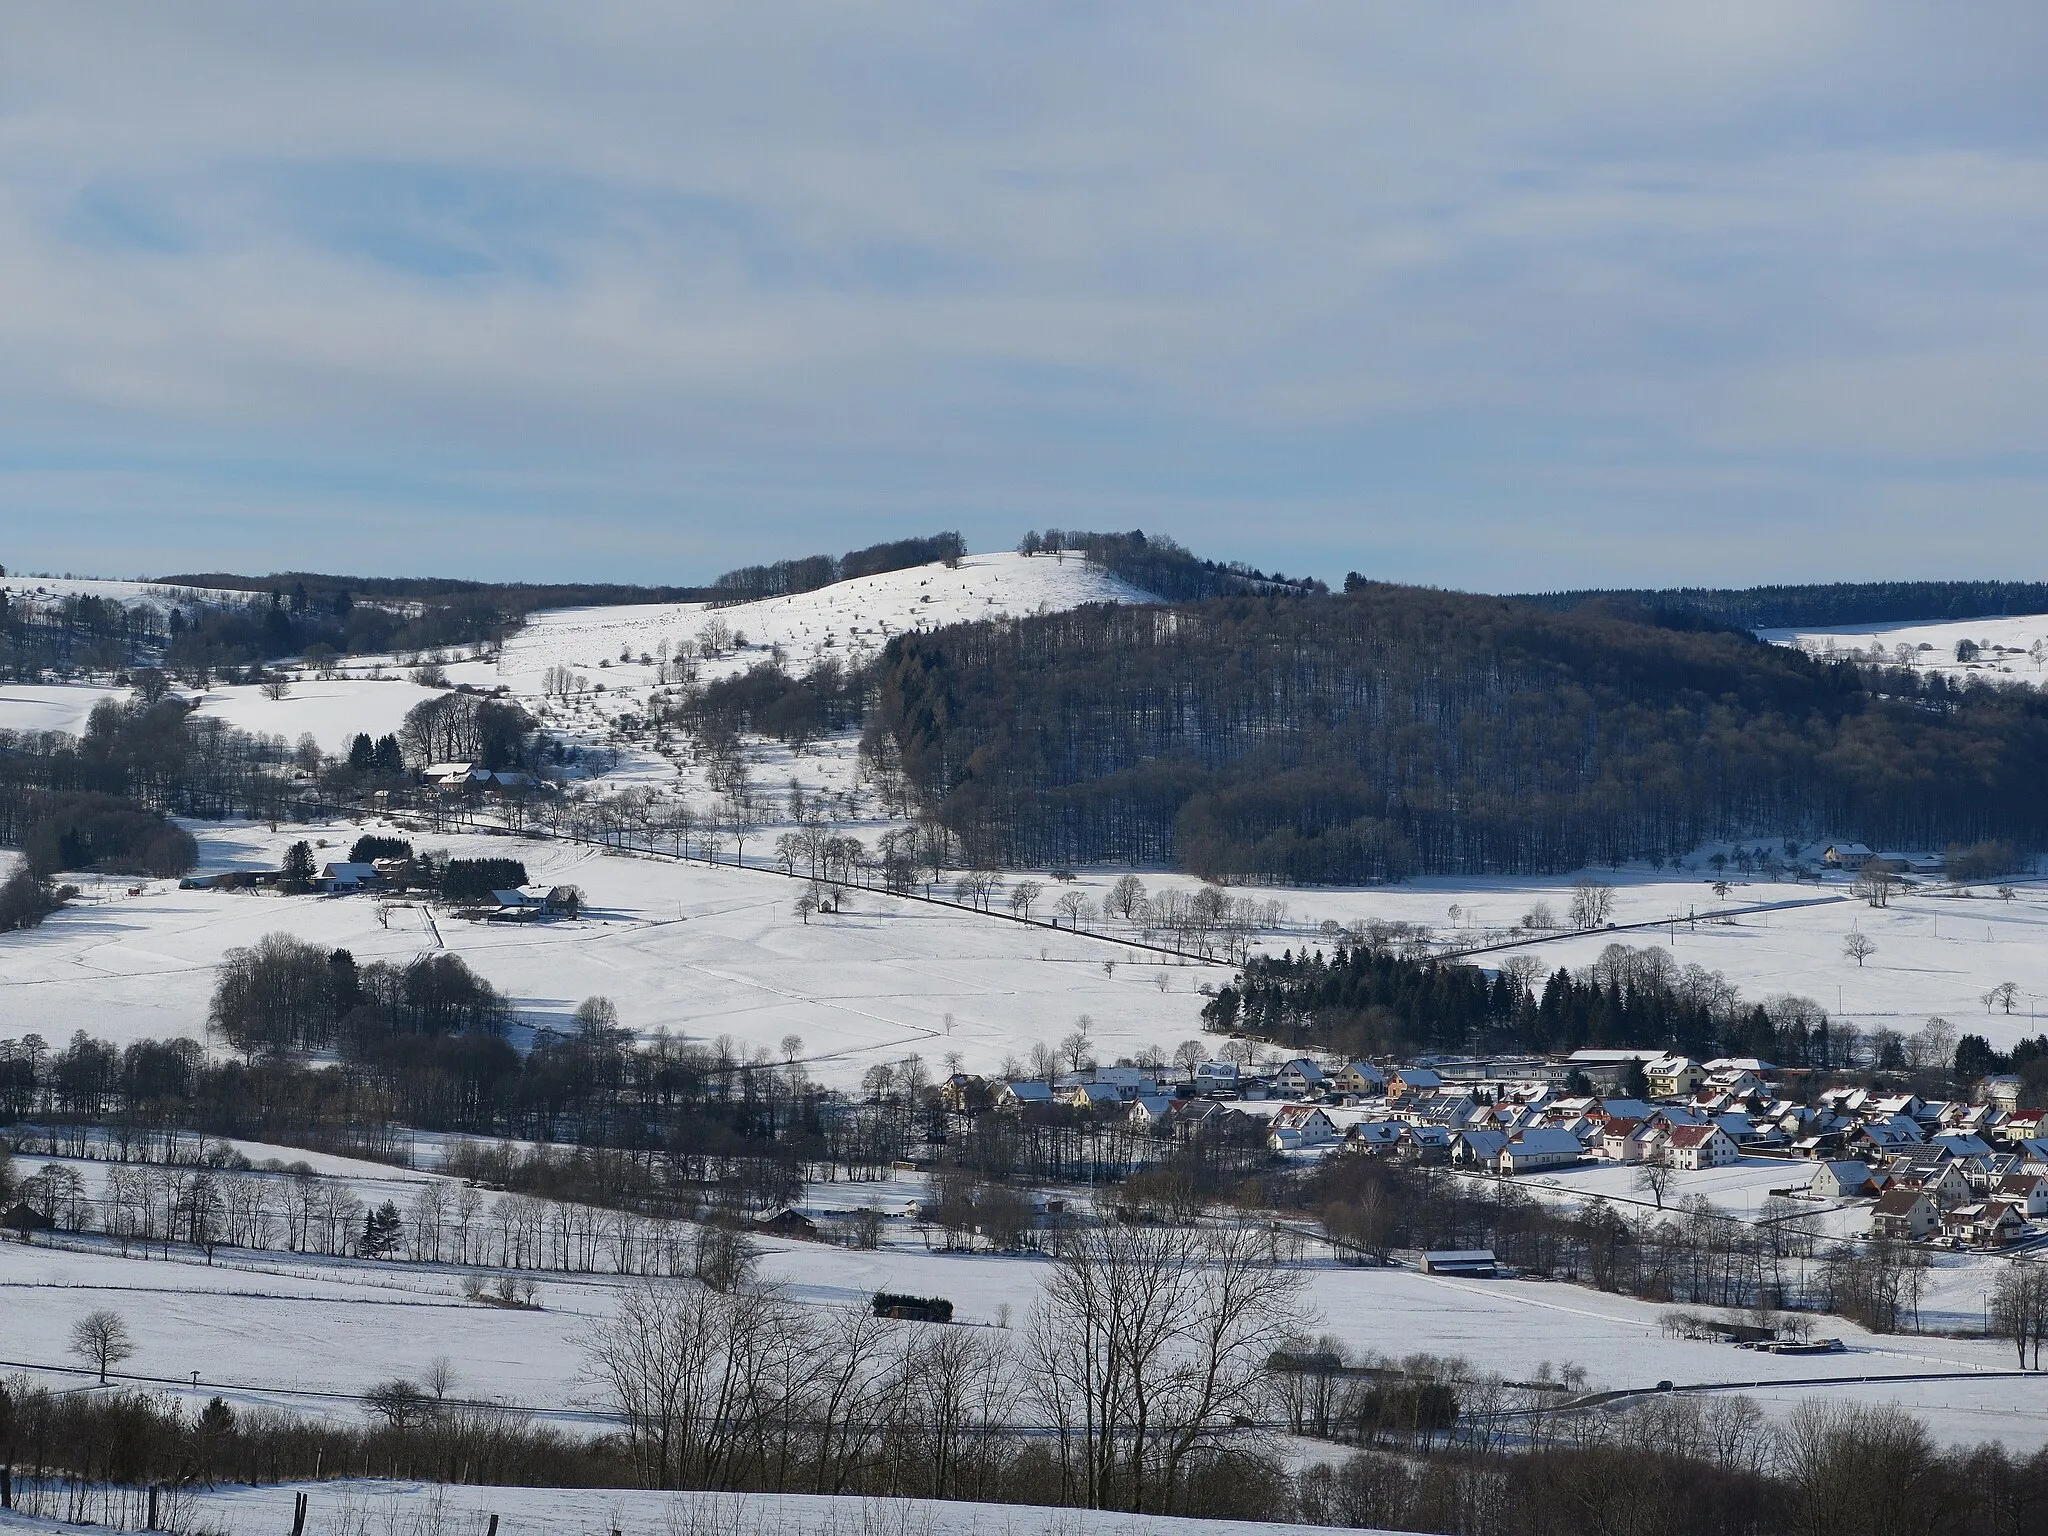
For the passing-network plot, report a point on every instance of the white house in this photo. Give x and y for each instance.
(1542, 1147)
(1839, 1179)
(1301, 1077)
(1693, 1147)
(2026, 1192)
(1300, 1128)
(1150, 1111)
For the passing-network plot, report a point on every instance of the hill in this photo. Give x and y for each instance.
(1398, 731)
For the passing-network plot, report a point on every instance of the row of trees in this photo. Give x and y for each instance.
(1377, 996)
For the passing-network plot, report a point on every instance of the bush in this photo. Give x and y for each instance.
(105, 832)
(916, 1309)
(25, 901)
(369, 848)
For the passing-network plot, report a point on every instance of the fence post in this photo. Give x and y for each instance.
(494, 1526)
(299, 1515)
(152, 1508)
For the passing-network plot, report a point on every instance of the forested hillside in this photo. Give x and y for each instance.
(1815, 607)
(1397, 731)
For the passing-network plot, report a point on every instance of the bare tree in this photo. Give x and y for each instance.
(1148, 1344)
(1125, 898)
(101, 1340)
(1654, 1178)
(1070, 906)
(1592, 904)
(2004, 995)
(1022, 895)
(1858, 947)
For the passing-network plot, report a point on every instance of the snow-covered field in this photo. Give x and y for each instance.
(2010, 649)
(357, 1507)
(702, 951)
(706, 951)
(311, 1333)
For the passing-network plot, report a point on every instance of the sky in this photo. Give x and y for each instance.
(1503, 297)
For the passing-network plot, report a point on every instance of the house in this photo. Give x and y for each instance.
(1300, 1128)
(1300, 1078)
(1090, 1095)
(1935, 1174)
(964, 1093)
(1839, 1179)
(1151, 1111)
(1846, 856)
(1674, 1077)
(1362, 1077)
(1216, 1077)
(1374, 1136)
(1693, 1147)
(2002, 1089)
(1543, 1147)
(1450, 1109)
(1622, 1140)
(1478, 1149)
(1887, 1138)
(786, 1221)
(1017, 1095)
(1405, 1082)
(340, 877)
(1983, 1223)
(1903, 1213)
(1426, 1143)
(2025, 1192)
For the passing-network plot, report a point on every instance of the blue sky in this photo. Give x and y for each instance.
(1501, 297)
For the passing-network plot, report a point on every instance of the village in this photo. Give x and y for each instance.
(1964, 1175)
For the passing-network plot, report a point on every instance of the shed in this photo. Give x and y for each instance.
(1473, 1263)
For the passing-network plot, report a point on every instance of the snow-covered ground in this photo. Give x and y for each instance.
(2010, 649)
(311, 1334)
(702, 951)
(706, 951)
(355, 1507)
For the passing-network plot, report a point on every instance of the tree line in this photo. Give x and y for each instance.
(751, 583)
(1817, 606)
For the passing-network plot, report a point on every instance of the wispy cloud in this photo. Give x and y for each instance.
(1512, 295)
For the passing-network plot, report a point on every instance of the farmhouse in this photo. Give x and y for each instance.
(339, 878)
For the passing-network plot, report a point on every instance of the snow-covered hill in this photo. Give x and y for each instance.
(2009, 649)
(842, 618)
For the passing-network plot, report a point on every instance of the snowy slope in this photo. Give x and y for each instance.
(2009, 646)
(840, 618)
